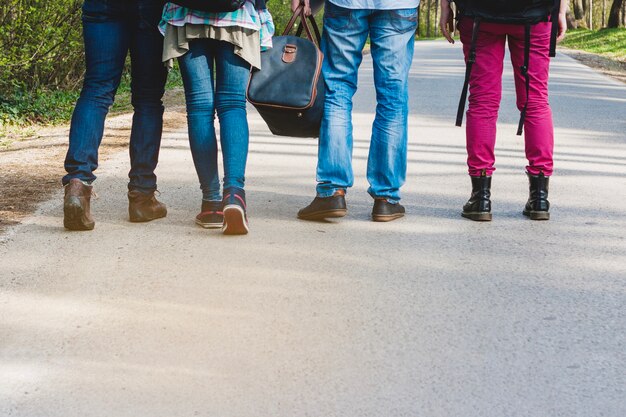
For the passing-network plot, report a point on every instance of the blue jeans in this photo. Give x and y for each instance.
(111, 29)
(391, 34)
(215, 80)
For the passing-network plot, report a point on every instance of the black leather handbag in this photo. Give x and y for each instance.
(213, 6)
(288, 90)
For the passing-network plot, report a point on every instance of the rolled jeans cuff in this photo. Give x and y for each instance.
(328, 192)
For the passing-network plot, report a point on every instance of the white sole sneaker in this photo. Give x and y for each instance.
(209, 225)
(235, 222)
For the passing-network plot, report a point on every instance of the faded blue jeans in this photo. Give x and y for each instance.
(215, 80)
(111, 30)
(391, 34)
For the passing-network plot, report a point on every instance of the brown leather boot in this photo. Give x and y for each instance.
(143, 207)
(76, 206)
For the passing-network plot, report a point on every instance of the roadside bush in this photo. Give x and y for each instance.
(41, 59)
(41, 44)
(41, 63)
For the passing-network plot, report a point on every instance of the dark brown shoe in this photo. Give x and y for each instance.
(143, 207)
(384, 211)
(76, 206)
(325, 207)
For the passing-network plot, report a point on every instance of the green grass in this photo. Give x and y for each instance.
(610, 43)
(43, 107)
(53, 107)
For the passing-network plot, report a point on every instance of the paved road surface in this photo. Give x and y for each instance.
(432, 315)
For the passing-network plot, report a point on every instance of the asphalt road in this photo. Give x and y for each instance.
(432, 315)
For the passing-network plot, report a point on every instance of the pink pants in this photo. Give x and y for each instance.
(486, 91)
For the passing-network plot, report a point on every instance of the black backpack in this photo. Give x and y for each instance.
(518, 12)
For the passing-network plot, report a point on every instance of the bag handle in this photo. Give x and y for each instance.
(299, 13)
(315, 29)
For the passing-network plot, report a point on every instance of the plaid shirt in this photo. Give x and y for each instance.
(246, 17)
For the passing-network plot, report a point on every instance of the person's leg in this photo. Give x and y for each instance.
(484, 102)
(392, 41)
(343, 39)
(147, 87)
(538, 128)
(231, 78)
(106, 38)
(196, 69)
(232, 74)
(485, 93)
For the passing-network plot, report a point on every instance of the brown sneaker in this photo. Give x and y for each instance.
(143, 207)
(76, 206)
(325, 207)
(384, 211)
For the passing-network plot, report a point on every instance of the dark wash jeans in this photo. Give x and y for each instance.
(112, 29)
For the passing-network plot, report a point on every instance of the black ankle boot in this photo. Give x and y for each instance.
(478, 207)
(538, 206)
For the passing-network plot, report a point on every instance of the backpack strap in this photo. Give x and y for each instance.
(554, 18)
(468, 70)
(524, 69)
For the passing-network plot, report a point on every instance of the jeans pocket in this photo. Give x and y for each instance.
(336, 17)
(403, 20)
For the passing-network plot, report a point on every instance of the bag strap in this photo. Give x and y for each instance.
(468, 70)
(299, 13)
(554, 18)
(296, 14)
(524, 69)
(316, 30)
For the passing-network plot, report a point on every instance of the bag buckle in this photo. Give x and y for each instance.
(289, 53)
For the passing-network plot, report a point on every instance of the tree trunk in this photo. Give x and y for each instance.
(614, 14)
(436, 18)
(579, 10)
(571, 21)
(428, 19)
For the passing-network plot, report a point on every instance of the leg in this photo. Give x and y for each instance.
(196, 68)
(105, 34)
(392, 36)
(232, 74)
(106, 45)
(148, 85)
(538, 128)
(344, 36)
(485, 95)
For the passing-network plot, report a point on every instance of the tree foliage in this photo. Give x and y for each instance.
(40, 43)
